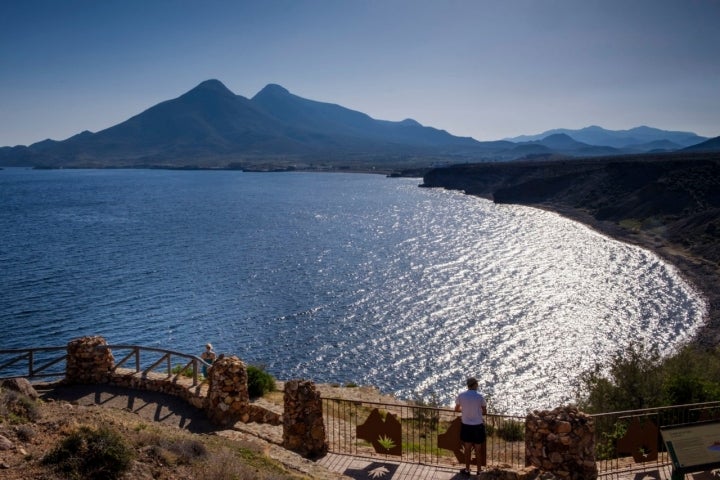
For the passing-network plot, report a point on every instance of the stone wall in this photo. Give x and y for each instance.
(303, 425)
(86, 363)
(227, 396)
(155, 382)
(561, 441)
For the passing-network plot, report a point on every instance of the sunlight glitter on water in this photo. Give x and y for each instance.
(539, 301)
(336, 278)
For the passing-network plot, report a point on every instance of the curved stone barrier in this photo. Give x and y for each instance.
(224, 398)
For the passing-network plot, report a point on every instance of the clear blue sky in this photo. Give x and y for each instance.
(486, 69)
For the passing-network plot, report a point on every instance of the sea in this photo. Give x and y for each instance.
(341, 278)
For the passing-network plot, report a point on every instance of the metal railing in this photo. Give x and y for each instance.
(421, 433)
(630, 441)
(38, 363)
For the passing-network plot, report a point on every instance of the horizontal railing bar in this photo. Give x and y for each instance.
(33, 349)
(49, 364)
(15, 360)
(653, 409)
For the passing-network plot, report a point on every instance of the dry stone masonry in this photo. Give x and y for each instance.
(90, 361)
(87, 362)
(303, 426)
(227, 399)
(561, 441)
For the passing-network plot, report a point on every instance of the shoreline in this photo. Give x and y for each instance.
(698, 272)
(666, 204)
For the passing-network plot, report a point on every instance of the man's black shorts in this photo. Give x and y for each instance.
(472, 433)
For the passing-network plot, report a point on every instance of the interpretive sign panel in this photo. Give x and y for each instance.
(693, 447)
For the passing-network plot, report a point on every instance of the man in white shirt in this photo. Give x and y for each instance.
(473, 406)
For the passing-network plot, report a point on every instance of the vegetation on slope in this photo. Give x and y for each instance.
(58, 440)
(638, 378)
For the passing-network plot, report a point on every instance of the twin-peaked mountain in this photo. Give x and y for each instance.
(210, 126)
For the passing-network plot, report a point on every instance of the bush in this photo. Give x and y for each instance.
(18, 408)
(91, 454)
(511, 431)
(260, 382)
(634, 382)
(183, 371)
(637, 378)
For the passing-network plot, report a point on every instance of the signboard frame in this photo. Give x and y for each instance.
(688, 444)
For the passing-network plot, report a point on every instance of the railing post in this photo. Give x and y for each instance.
(195, 371)
(31, 366)
(137, 359)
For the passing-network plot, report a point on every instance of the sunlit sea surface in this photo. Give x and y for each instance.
(332, 277)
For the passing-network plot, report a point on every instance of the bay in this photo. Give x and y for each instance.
(332, 277)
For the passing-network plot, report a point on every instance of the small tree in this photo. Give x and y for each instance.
(260, 382)
(633, 381)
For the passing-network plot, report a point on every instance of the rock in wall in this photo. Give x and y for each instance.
(561, 441)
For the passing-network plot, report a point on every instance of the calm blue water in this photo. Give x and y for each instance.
(332, 277)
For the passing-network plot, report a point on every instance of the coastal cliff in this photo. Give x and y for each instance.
(667, 203)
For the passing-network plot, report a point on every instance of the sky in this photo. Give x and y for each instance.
(480, 68)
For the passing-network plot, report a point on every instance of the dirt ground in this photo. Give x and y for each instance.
(150, 421)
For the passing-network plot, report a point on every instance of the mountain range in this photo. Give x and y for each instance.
(210, 126)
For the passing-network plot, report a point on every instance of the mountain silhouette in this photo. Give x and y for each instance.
(712, 145)
(635, 139)
(211, 126)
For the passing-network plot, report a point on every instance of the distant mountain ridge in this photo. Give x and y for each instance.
(211, 127)
(641, 138)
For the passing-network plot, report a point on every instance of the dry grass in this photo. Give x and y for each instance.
(158, 451)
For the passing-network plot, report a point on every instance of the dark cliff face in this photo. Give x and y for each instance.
(674, 196)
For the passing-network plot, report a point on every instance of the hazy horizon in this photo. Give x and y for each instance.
(474, 68)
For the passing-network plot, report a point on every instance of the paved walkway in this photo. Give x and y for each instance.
(366, 469)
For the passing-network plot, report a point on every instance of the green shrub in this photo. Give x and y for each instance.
(260, 382)
(184, 371)
(637, 378)
(427, 413)
(91, 454)
(633, 382)
(511, 431)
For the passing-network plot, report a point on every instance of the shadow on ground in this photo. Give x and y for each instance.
(152, 406)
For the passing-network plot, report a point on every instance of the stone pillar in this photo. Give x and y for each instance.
(303, 425)
(227, 398)
(86, 363)
(561, 441)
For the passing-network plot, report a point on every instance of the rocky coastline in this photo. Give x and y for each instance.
(669, 204)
